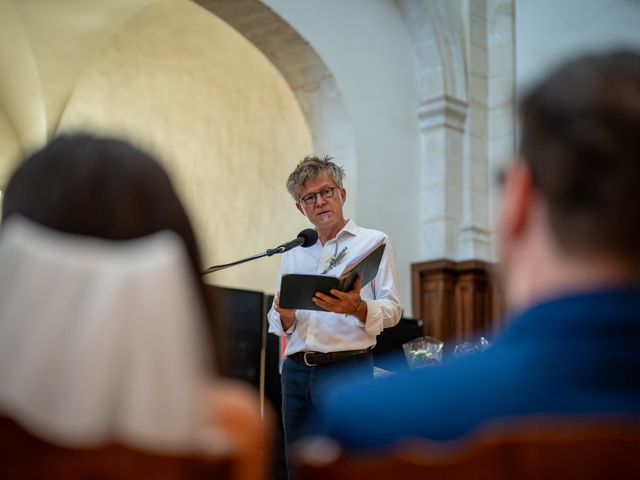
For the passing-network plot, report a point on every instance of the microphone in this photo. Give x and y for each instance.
(305, 239)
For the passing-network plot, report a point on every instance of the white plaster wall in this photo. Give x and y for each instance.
(367, 48)
(177, 80)
(549, 32)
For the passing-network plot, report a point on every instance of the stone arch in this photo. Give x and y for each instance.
(304, 70)
(438, 49)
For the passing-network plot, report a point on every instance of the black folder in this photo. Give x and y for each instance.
(297, 290)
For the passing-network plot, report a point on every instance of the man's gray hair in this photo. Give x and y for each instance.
(309, 169)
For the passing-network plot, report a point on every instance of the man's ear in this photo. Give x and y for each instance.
(518, 200)
(343, 195)
(300, 208)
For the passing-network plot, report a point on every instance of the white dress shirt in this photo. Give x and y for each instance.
(321, 331)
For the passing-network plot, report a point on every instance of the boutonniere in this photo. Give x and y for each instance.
(335, 259)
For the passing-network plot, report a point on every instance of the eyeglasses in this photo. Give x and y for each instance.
(310, 198)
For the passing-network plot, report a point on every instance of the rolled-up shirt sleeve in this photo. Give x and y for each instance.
(275, 323)
(383, 310)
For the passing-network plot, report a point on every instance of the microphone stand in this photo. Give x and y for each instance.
(263, 335)
(305, 238)
(268, 253)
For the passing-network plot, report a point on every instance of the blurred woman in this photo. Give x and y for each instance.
(103, 318)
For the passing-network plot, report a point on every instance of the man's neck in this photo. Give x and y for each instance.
(327, 235)
(536, 268)
(566, 276)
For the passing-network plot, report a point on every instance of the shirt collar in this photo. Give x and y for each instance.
(350, 228)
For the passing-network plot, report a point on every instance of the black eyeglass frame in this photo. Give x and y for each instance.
(312, 198)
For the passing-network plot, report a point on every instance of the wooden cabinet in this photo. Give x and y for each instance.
(457, 300)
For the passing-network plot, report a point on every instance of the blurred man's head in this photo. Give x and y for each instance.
(570, 214)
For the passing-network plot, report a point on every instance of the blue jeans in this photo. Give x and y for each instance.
(303, 386)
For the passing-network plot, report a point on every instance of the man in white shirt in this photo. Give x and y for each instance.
(323, 344)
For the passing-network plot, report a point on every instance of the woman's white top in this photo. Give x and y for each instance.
(100, 340)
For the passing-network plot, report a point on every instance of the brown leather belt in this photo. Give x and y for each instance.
(312, 359)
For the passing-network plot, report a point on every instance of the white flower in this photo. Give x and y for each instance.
(335, 259)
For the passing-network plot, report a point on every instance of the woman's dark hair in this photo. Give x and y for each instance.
(101, 187)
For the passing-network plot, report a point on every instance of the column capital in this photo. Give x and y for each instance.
(443, 111)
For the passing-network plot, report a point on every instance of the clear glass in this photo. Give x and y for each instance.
(423, 351)
(467, 348)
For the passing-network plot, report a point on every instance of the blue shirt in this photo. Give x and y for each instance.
(577, 354)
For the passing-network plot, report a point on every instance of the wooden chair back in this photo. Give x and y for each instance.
(550, 449)
(23, 456)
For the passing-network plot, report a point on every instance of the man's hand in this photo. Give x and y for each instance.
(344, 302)
(287, 315)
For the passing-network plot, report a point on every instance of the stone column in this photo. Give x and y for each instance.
(442, 122)
(442, 110)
